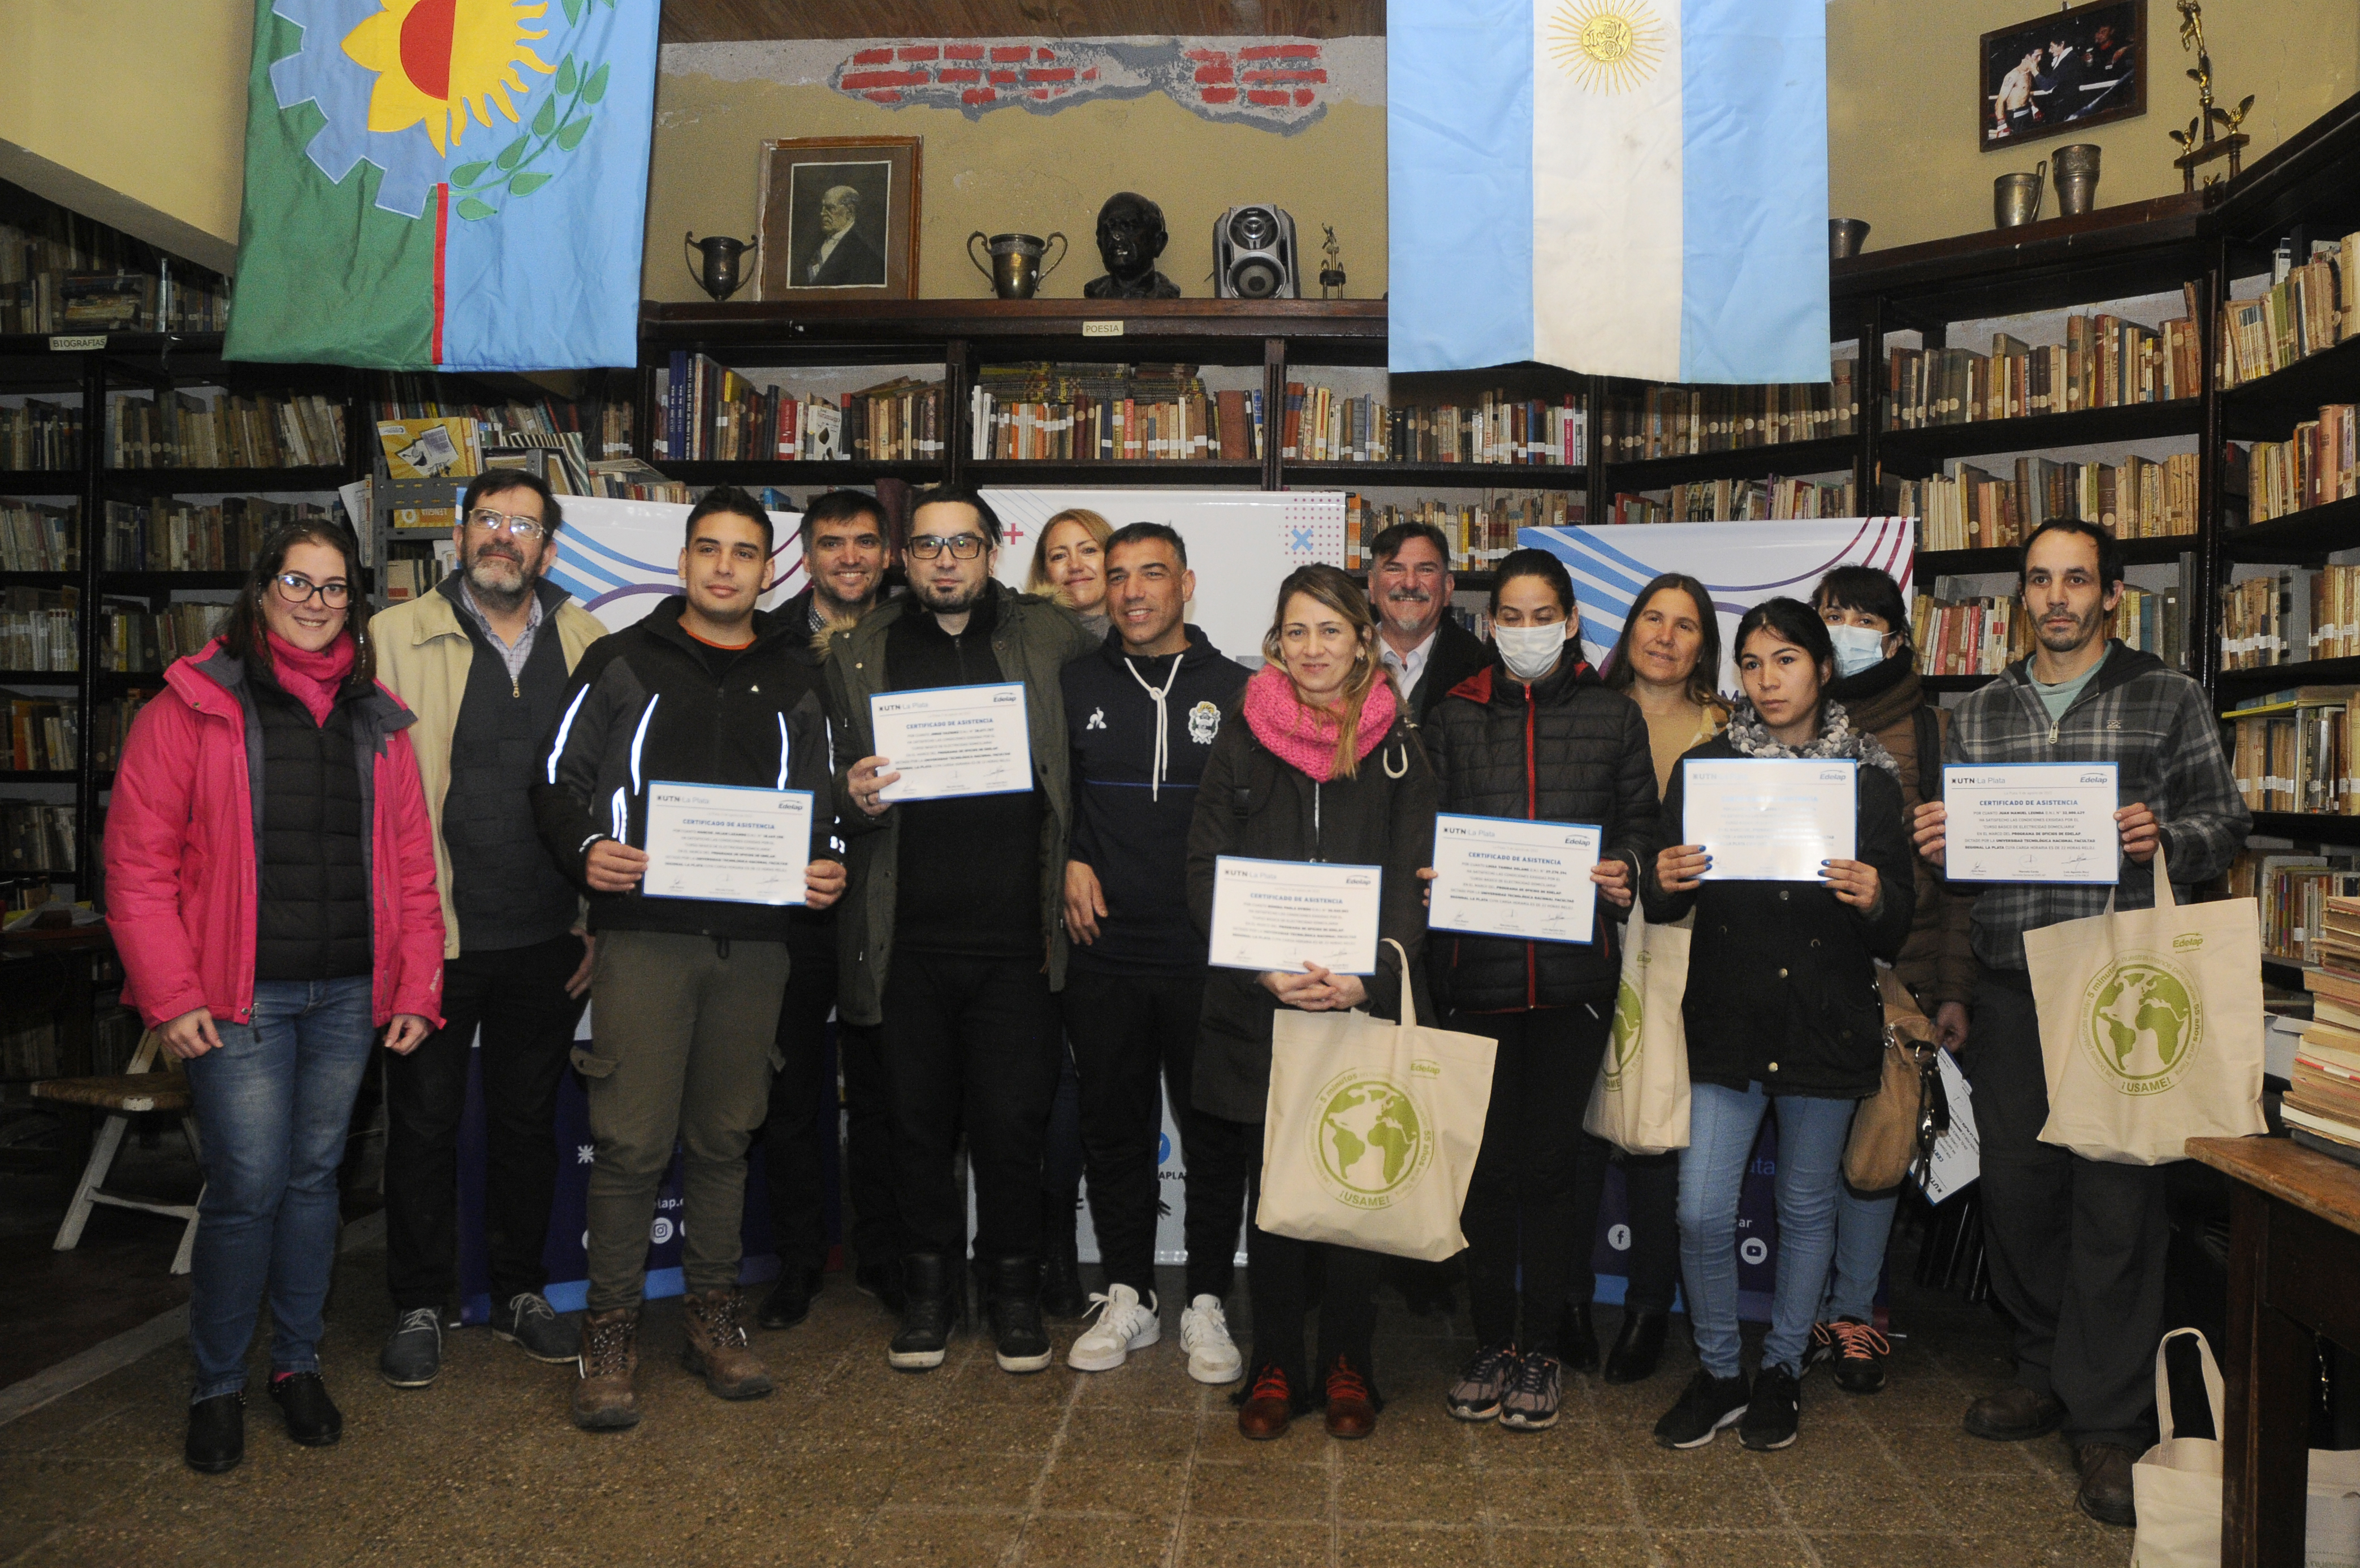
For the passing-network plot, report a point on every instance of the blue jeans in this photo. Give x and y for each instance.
(1721, 1126)
(1864, 1225)
(272, 1104)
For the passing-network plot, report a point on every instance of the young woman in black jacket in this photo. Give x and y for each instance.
(1313, 763)
(1535, 735)
(1782, 1009)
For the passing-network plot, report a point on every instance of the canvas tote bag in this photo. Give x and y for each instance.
(2150, 1026)
(2176, 1487)
(1373, 1128)
(1640, 1103)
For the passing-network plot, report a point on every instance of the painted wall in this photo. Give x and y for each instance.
(1902, 146)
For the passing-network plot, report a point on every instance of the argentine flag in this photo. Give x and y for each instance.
(1618, 187)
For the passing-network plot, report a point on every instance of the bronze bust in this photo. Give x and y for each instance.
(1131, 237)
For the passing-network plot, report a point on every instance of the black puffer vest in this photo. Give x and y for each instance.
(312, 850)
(504, 889)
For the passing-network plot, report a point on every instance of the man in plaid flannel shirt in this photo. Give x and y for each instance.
(2077, 1246)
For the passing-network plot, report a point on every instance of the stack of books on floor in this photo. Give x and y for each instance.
(2322, 1105)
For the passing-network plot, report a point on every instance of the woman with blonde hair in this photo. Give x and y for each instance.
(1069, 565)
(1314, 762)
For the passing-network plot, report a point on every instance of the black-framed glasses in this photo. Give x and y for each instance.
(962, 546)
(295, 588)
(515, 525)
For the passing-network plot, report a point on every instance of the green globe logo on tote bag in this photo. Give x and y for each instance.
(2143, 1023)
(1369, 1141)
(1622, 1045)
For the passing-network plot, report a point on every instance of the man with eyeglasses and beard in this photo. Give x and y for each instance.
(1409, 587)
(483, 660)
(954, 939)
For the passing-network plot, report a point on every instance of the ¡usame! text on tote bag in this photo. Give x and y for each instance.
(2150, 1026)
(1373, 1129)
(1640, 1103)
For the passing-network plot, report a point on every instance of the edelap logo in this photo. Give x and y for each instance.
(1422, 1067)
(2094, 778)
(2188, 941)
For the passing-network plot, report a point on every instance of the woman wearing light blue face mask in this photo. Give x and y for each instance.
(1876, 681)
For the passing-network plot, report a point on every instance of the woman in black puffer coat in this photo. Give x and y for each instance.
(1535, 736)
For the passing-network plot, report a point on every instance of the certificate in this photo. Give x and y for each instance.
(1276, 914)
(716, 841)
(1769, 819)
(949, 740)
(2033, 822)
(1502, 877)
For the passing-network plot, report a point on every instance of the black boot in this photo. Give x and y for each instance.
(1577, 1338)
(1062, 1295)
(1014, 1311)
(312, 1419)
(217, 1433)
(1638, 1347)
(926, 1334)
(790, 1301)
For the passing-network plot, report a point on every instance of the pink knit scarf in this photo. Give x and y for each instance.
(311, 678)
(1303, 737)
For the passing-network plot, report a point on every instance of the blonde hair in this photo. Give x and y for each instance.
(1037, 581)
(1330, 586)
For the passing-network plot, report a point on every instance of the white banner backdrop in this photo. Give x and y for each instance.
(619, 558)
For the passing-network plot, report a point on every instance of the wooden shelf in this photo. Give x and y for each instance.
(782, 473)
(1954, 683)
(1298, 475)
(2299, 537)
(1919, 452)
(1011, 473)
(2007, 558)
(40, 579)
(35, 482)
(2320, 826)
(1787, 459)
(165, 582)
(2311, 673)
(2269, 408)
(38, 776)
(2137, 247)
(209, 482)
(41, 677)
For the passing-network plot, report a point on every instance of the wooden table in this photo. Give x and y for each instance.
(2294, 1272)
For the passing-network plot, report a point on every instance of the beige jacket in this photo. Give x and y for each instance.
(423, 654)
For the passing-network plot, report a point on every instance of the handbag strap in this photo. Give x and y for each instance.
(2163, 898)
(1409, 992)
(2214, 1391)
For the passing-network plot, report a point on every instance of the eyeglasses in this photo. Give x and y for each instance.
(515, 524)
(297, 588)
(962, 546)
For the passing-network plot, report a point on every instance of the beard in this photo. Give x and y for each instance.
(1408, 608)
(947, 600)
(2078, 637)
(500, 581)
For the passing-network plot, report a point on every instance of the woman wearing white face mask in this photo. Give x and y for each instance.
(1535, 736)
(1876, 681)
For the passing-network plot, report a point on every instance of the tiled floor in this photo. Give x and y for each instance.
(850, 1463)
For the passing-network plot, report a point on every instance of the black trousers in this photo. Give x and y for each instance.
(800, 1135)
(1651, 1191)
(972, 1044)
(1126, 1031)
(2077, 1247)
(1519, 1207)
(1278, 1277)
(518, 996)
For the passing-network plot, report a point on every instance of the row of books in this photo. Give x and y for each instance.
(1751, 501)
(604, 428)
(2264, 618)
(2104, 362)
(1681, 421)
(44, 733)
(40, 630)
(1961, 634)
(2293, 890)
(2293, 753)
(2152, 621)
(712, 414)
(1192, 427)
(2319, 463)
(2321, 1106)
(1974, 509)
(2332, 594)
(36, 836)
(71, 274)
(34, 537)
(170, 535)
(37, 434)
(1479, 536)
(1325, 426)
(133, 639)
(183, 430)
(2310, 308)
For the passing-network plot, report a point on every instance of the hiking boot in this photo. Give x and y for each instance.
(1576, 1337)
(1012, 1313)
(216, 1439)
(1531, 1401)
(715, 1349)
(1773, 1415)
(1639, 1348)
(1205, 1334)
(1475, 1394)
(790, 1301)
(2105, 1494)
(412, 1357)
(529, 1323)
(603, 1398)
(1268, 1405)
(1706, 1405)
(926, 1334)
(1351, 1403)
(2013, 1413)
(1124, 1324)
(1857, 1350)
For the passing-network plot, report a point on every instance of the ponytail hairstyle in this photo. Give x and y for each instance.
(244, 636)
(1328, 585)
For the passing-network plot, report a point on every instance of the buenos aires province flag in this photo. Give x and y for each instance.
(445, 184)
(1618, 187)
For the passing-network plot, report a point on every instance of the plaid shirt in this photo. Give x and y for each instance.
(2152, 721)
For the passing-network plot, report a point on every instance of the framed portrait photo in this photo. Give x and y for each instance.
(839, 218)
(2061, 72)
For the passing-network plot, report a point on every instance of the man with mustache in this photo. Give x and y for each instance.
(1410, 586)
(483, 660)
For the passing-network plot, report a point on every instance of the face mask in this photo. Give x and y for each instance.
(1858, 648)
(1530, 652)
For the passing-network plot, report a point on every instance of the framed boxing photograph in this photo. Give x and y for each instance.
(839, 218)
(2061, 72)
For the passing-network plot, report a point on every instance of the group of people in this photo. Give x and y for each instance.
(322, 830)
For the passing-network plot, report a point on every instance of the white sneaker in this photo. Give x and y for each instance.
(1204, 1333)
(1124, 1325)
